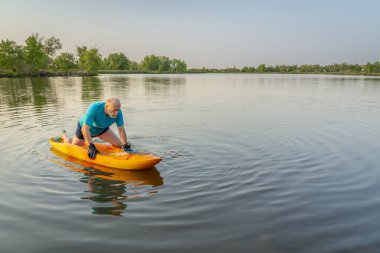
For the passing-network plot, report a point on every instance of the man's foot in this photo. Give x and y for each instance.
(61, 137)
(64, 137)
(57, 138)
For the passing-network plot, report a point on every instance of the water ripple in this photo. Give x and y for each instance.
(251, 163)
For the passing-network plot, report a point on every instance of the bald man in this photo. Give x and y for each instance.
(96, 122)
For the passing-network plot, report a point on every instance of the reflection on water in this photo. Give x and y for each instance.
(157, 85)
(92, 89)
(110, 188)
(14, 92)
(108, 195)
(252, 163)
(120, 85)
(119, 80)
(18, 92)
(174, 80)
(43, 91)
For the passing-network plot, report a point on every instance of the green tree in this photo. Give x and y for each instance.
(65, 61)
(262, 68)
(248, 69)
(357, 68)
(376, 67)
(116, 61)
(52, 45)
(80, 54)
(165, 64)
(34, 54)
(178, 65)
(134, 65)
(11, 55)
(90, 60)
(150, 63)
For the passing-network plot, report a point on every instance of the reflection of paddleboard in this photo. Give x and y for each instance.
(143, 177)
(109, 156)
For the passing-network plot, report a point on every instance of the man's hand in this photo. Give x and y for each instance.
(92, 151)
(127, 147)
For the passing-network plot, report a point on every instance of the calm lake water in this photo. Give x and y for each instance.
(251, 163)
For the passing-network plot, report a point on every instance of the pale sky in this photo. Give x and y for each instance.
(210, 33)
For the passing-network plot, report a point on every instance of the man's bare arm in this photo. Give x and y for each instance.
(122, 134)
(86, 133)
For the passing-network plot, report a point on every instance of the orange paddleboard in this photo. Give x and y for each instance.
(109, 156)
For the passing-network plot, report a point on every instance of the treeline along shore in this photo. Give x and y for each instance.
(38, 57)
(371, 69)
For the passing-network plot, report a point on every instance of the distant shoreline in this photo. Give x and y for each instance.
(228, 72)
(37, 58)
(8, 74)
(49, 73)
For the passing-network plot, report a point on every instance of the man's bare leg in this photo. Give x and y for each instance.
(110, 137)
(65, 138)
(76, 141)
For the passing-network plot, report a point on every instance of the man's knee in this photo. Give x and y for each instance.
(77, 141)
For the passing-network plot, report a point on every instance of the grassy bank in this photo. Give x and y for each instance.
(290, 73)
(47, 73)
(50, 73)
(139, 72)
(237, 72)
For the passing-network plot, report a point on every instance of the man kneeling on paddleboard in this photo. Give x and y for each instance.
(96, 122)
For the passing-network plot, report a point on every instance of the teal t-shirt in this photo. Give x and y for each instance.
(96, 118)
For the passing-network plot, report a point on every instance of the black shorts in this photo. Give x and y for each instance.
(79, 133)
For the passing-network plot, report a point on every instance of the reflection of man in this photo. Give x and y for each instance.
(109, 197)
(96, 122)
